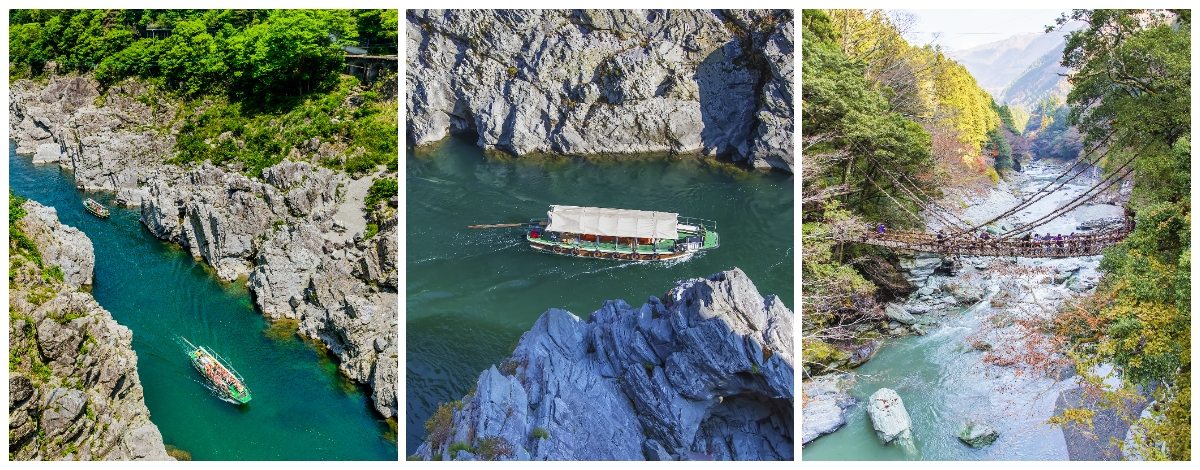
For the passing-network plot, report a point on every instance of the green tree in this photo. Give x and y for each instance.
(1132, 93)
(290, 53)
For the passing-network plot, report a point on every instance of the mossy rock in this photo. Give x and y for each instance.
(978, 435)
(822, 353)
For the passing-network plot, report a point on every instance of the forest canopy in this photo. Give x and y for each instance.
(249, 53)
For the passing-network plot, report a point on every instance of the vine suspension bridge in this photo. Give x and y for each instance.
(960, 238)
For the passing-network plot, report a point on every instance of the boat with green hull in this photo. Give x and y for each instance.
(95, 208)
(597, 232)
(221, 377)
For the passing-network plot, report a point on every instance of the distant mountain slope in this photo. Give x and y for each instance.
(996, 64)
(1044, 78)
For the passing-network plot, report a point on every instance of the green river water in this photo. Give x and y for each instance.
(302, 408)
(472, 293)
(943, 384)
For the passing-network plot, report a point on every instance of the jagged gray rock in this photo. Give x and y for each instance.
(704, 373)
(888, 416)
(605, 81)
(74, 393)
(918, 267)
(343, 292)
(825, 405)
(898, 313)
(110, 141)
(61, 245)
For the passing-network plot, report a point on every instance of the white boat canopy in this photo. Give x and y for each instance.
(613, 222)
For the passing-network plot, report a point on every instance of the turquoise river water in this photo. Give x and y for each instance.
(472, 293)
(943, 384)
(302, 408)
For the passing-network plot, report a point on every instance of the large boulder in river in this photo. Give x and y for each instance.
(978, 435)
(705, 373)
(888, 415)
(965, 294)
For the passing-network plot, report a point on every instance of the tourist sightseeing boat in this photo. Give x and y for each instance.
(95, 208)
(223, 379)
(596, 232)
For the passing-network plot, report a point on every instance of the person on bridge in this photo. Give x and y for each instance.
(881, 229)
(941, 236)
(984, 235)
(1034, 242)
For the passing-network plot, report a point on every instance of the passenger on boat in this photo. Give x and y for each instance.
(534, 234)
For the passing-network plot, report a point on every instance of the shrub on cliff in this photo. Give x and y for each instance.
(226, 131)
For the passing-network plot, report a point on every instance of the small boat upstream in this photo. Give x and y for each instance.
(221, 377)
(95, 208)
(597, 232)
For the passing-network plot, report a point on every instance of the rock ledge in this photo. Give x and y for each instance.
(705, 373)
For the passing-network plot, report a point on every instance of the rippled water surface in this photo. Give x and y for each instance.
(302, 408)
(472, 293)
(943, 384)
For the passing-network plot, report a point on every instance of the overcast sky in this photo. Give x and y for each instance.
(963, 29)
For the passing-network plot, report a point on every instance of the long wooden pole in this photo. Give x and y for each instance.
(495, 225)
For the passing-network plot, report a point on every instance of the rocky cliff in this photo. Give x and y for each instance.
(296, 232)
(605, 81)
(73, 387)
(704, 373)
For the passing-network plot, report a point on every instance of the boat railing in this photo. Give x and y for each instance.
(698, 222)
(225, 363)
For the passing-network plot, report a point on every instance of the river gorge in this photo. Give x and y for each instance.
(303, 407)
(945, 359)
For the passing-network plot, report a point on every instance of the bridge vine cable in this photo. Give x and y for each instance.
(936, 213)
(1042, 192)
(1117, 176)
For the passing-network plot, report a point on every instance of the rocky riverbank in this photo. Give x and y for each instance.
(606, 81)
(704, 373)
(74, 392)
(285, 230)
